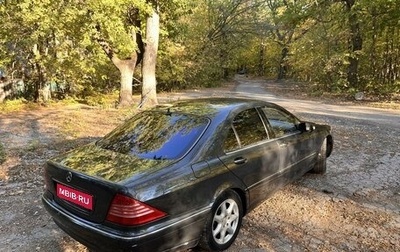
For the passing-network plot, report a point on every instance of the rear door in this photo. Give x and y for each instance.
(251, 155)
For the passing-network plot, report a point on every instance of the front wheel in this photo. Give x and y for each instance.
(223, 225)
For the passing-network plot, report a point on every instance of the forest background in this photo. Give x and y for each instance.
(74, 49)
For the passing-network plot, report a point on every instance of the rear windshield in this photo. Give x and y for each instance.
(155, 135)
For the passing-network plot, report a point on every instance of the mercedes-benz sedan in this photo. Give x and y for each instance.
(181, 175)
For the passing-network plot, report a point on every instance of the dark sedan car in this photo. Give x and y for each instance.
(181, 175)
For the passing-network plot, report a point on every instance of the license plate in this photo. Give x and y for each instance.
(75, 196)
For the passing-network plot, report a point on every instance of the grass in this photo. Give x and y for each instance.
(10, 106)
(33, 145)
(102, 100)
(386, 105)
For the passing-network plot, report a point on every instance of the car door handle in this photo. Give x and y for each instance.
(240, 160)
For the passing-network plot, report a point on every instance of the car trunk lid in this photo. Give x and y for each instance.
(84, 181)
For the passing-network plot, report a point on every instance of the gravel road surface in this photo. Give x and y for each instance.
(355, 206)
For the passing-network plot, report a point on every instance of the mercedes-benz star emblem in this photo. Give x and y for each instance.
(69, 177)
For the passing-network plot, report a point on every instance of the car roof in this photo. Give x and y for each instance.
(210, 107)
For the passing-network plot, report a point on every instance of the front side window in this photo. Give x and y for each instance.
(281, 122)
(156, 135)
(247, 128)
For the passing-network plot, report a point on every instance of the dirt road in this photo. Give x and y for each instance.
(355, 206)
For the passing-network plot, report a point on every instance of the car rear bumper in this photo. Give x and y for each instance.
(171, 235)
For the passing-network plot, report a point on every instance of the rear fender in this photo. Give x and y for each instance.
(241, 192)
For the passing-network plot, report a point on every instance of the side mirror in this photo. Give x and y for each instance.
(305, 127)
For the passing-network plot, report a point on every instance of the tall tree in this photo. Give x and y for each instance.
(139, 22)
(291, 20)
(217, 32)
(42, 51)
(117, 28)
(149, 94)
(355, 43)
(30, 40)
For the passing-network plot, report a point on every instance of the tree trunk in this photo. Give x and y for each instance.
(261, 59)
(283, 64)
(3, 92)
(149, 93)
(355, 45)
(39, 82)
(374, 37)
(126, 67)
(125, 92)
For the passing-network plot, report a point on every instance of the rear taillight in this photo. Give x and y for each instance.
(130, 212)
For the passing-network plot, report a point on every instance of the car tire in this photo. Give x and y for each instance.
(320, 165)
(224, 224)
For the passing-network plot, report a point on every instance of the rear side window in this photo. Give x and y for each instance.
(281, 122)
(156, 135)
(247, 128)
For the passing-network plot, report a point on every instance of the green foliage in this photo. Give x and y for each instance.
(171, 69)
(41, 49)
(212, 37)
(321, 55)
(49, 42)
(52, 41)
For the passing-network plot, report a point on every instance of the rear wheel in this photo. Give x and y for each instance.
(223, 225)
(320, 165)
